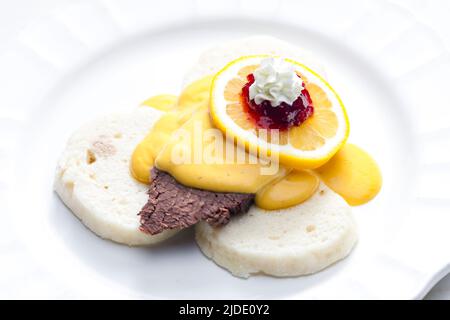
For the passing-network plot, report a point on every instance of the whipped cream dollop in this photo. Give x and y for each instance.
(275, 81)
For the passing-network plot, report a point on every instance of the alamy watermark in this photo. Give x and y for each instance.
(211, 146)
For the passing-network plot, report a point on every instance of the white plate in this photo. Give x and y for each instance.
(102, 56)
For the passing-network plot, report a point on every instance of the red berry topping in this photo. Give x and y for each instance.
(281, 117)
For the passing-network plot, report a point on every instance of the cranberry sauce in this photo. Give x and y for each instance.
(281, 117)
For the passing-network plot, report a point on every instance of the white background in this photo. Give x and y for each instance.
(14, 15)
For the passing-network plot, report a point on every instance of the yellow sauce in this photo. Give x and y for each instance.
(353, 174)
(289, 191)
(148, 149)
(173, 145)
(196, 95)
(210, 171)
(163, 102)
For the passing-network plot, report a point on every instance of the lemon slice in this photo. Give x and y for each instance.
(307, 146)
